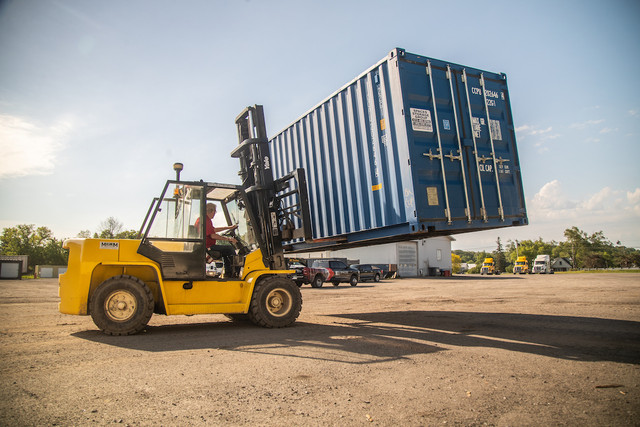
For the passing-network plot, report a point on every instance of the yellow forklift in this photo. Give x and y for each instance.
(121, 283)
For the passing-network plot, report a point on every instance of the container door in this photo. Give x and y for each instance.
(408, 259)
(489, 143)
(436, 143)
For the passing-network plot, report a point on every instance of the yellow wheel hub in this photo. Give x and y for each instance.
(279, 302)
(120, 306)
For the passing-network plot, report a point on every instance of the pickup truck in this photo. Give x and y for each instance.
(318, 271)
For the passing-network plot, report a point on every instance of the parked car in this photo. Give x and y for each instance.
(318, 271)
(369, 272)
(298, 277)
(338, 271)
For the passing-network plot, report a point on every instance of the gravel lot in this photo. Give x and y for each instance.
(528, 350)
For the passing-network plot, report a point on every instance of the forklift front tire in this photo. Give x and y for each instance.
(121, 305)
(276, 302)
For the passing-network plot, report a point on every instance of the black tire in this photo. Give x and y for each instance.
(317, 281)
(121, 305)
(335, 283)
(354, 280)
(276, 302)
(376, 278)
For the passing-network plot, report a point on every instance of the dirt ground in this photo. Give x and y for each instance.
(466, 350)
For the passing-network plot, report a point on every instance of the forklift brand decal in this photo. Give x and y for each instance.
(421, 120)
(109, 245)
(432, 196)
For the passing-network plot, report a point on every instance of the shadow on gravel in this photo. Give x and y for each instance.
(563, 337)
(363, 338)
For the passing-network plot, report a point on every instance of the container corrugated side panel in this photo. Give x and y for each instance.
(404, 150)
(354, 172)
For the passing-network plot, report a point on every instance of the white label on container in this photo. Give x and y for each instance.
(475, 124)
(109, 245)
(432, 196)
(421, 120)
(496, 133)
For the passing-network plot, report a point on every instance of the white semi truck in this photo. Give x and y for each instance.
(542, 265)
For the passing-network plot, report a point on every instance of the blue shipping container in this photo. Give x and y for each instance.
(413, 147)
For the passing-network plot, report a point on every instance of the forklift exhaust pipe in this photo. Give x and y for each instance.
(178, 168)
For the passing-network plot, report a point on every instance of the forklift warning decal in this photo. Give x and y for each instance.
(421, 120)
(109, 245)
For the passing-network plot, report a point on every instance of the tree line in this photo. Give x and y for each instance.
(582, 250)
(42, 248)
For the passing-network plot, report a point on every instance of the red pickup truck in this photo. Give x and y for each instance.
(318, 271)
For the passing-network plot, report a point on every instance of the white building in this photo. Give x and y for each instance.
(424, 257)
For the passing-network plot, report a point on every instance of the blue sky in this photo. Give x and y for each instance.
(99, 98)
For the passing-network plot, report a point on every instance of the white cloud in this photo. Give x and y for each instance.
(608, 130)
(539, 136)
(552, 204)
(29, 149)
(586, 124)
(634, 197)
(634, 113)
(615, 212)
(597, 201)
(552, 198)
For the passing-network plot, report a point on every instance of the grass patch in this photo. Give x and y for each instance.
(631, 270)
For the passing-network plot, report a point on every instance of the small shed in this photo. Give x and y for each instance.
(561, 264)
(13, 266)
(11, 269)
(49, 271)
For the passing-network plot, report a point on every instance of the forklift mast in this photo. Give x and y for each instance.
(281, 212)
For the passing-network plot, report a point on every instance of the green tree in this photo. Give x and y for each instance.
(455, 263)
(499, 257)
(38, 243)
(110, 228)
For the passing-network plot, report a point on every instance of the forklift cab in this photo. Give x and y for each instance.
(172, 234)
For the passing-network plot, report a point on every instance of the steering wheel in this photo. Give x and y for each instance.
(240, 244)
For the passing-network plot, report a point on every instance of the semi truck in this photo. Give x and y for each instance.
(488, 267)
(122, 283)
(521, 266)
(542, 265)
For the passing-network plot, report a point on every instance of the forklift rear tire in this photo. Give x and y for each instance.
(121, 305)
(276, 302)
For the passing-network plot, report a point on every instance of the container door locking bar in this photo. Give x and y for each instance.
(483, 210)
(493, 151)
(451, 156)
(435, 114)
